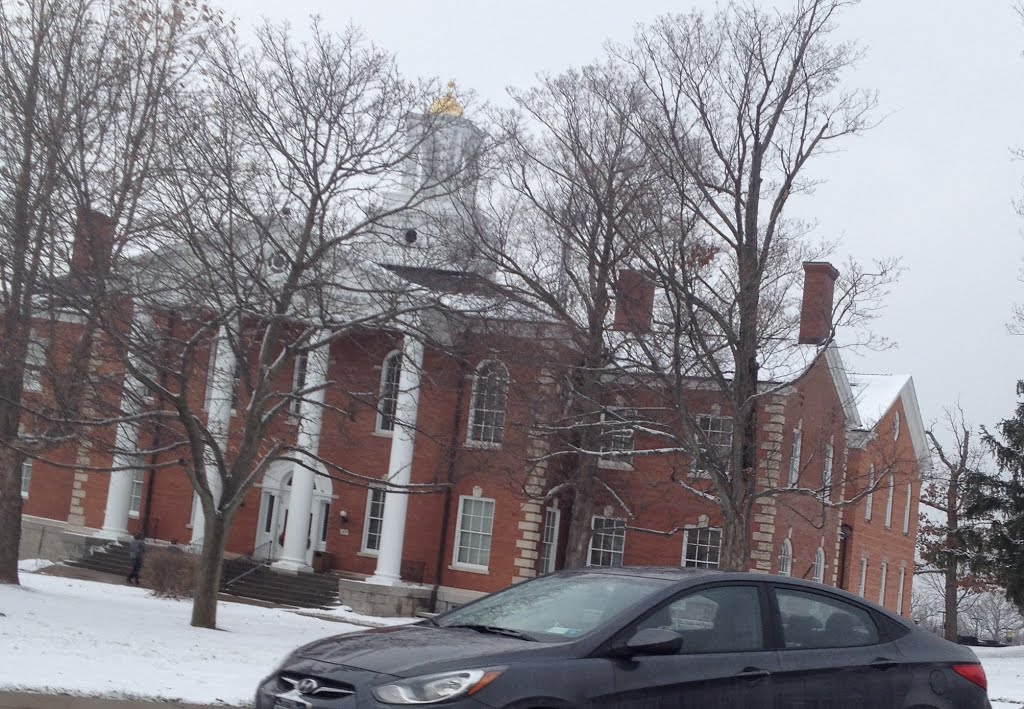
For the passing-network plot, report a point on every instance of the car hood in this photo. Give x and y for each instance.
(416, 649)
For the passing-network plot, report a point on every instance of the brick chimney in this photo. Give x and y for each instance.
(94, 244)
(816, 310)
(634, 301)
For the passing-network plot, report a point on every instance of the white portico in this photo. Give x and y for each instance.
(389, 558)
(276, 513)
(127, 464)
(219, 403)
(296, 554)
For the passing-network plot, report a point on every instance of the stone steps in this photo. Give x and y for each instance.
(297, 590)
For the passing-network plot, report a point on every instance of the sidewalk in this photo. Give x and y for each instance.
(15, 700)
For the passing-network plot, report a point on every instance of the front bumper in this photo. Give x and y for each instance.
(281, 691)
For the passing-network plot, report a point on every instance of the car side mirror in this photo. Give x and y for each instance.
(652, 641)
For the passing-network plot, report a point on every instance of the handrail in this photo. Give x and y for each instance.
(251, 556)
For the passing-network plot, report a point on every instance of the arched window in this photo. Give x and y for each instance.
(388, 401)
(487, 412)
(786, 558)
(818, 570)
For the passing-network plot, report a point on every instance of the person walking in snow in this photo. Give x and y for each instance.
(136, 550)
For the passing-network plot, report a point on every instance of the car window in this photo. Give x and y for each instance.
(718, 619)
(553, 608)
(812, 620)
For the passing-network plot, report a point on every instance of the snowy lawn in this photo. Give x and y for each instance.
(85, 637)
(1004, 667)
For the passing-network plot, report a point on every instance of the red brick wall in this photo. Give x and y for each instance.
(816, 409)
(662, 507)
(871, 539)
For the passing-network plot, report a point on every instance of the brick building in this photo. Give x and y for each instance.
(425, 417)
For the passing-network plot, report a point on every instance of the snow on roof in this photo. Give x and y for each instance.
(874, 394)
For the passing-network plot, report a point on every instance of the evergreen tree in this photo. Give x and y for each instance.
(1002, 500)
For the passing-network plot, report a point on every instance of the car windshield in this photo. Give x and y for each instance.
(555, 608)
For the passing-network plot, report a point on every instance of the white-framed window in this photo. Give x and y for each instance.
(35, 362)
(869, 500)
(882, 574)
(863, 575)
(607, 542)
(487, 410)
(794, 457)
(896, 426)
(374, 520)
(888, 500)
(549, 542)
(786, 558)
(298, 383)
(277, 262)
(906, 508)
(826, 472)
(901, 586)
(702, 547)
(26, 477)
(135, 502)
(715, 443)
(387, 406)
(473, 535)
(818, 569)
(617, 437)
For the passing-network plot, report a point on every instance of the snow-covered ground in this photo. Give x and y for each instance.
(1004, 667)
(85, 637)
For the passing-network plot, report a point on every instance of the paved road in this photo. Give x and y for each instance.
(14, 700)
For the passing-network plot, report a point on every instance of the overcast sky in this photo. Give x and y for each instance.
(934, 183)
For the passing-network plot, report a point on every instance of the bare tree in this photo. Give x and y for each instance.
(83, 87)
(570, 192)
(992, 616)
(294, 167)
(944, 540)
(737, 106)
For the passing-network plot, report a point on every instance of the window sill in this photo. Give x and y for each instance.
(383, 434)
(133, 515)
(614, 465)
(368, 554)
(482, 570)
(482, 445)
(24, 495)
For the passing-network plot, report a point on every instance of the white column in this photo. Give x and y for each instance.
(126, 459)
(218, 421)
(392, 536)
(297, 532)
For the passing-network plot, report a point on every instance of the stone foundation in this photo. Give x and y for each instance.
(51, 540)
(400, 601)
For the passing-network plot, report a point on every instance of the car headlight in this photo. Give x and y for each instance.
(436, 688)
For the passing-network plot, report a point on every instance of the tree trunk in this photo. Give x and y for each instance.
(208, 576)
(577, 546)
(951, 590)
(735, 552)
(952, 629)
(10, 512)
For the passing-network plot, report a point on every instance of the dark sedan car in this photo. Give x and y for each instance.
(640, 638)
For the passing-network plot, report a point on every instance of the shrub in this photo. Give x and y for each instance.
(169, 573)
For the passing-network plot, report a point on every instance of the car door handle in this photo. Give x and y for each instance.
(752, 674)
(882, 663)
